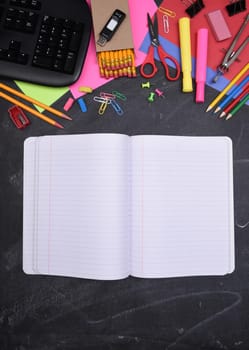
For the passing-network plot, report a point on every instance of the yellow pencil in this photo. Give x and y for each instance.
(107, 58)
(112, 63)
(35, 102)
(116, 59)
(232, 82)
(100, 62)
(30, 110)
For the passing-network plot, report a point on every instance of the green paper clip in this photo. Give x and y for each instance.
(119, 95)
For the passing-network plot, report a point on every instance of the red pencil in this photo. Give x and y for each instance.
(235, 101)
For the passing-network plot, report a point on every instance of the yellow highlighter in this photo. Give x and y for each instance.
(185, 48)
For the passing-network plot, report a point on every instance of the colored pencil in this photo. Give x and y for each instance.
(234, 102)
(35, 102)
(238, 107)
(227, 88)
(30, 110)
(233, 93)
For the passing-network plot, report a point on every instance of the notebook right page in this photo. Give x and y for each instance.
(182, 206)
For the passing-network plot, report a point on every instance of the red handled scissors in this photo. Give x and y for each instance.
(150, 61)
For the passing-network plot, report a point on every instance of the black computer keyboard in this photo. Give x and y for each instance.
(44, 41)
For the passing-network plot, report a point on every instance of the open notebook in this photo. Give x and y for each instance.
(106, 206)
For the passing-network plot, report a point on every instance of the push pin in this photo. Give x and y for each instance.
(151, 97)
(146, 85)
(159, 93)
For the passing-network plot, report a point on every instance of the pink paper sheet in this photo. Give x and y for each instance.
(90, 73)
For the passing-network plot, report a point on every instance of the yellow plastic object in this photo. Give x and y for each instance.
(185, 48)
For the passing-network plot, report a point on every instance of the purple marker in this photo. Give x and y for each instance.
(201, 64)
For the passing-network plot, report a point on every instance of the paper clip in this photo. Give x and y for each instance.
(167, 12)
(116, 107)
(119, 95)
(107, 95)
(166, 24)
(18, 117)
(102, 107)
(101, 99)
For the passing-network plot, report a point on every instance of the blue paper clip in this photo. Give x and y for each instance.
(117, 108)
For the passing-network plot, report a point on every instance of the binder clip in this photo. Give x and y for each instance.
(236, 7)
(18, 117)
(194, 8)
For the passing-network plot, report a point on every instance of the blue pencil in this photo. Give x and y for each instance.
(232, 94)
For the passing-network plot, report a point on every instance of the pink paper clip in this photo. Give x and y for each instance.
(107, 95)
(18, 117)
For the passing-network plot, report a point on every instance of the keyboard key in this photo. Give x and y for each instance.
(70, 62)
(42, 61)
(22, 58)
(75, 41)
(15, 45)
(58, 65)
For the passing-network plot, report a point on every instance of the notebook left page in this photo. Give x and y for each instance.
(76, 199)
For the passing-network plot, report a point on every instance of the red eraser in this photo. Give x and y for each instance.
(218, 25)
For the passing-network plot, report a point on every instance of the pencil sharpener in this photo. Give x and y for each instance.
(18, 117)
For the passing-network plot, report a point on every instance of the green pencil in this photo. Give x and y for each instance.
(238, 106)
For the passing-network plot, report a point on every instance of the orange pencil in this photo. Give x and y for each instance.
(30, 110)
(35, 102)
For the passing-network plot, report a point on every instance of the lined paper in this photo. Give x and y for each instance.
(82, 204)
(105, 206)
(182, 205)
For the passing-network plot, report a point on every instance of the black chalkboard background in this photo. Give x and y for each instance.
(47, 313)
